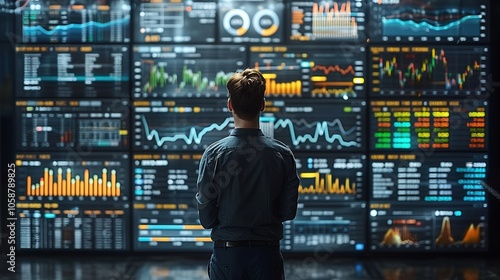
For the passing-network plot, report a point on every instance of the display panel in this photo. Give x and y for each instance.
(73, 201)
(429, 70)
(428, 201)
(7, 9)
(455, 228)
(85, 21)
(331, 177)
(66, 226)
(428, 177)
(185, 71)
(175, 21)
(311, 72)
(165, 216)
(180, 124)
(455, 125)
(323, 21)
(254, 21)
(326, 227)
(68, 125)
(429, 21)
(65, 71)
(316, 125)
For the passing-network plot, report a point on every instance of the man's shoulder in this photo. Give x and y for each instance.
(278, 145)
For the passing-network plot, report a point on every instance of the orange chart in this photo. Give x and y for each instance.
(326, 185)
(395, 236)
(66, 184)
(336, 22)
(472, 235)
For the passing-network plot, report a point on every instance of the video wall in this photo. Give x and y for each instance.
(385, 104)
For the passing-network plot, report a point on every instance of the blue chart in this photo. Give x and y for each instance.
(317, 126)
(442, 20)
(180, 125)
(82, 22)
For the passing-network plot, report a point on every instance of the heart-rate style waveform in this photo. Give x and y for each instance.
(194, 135)
(331, 132)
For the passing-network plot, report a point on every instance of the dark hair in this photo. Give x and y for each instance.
(246, 90)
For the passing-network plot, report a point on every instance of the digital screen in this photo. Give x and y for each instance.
(185, 71)
(7, 9)
(252, 21)
(427, 178)
(327, 20)
(455, 125)
(72, 125)
(428, 201)
(331, 177)
(73, 201)
(311, 72)
(326, 226)
(316, 125)
(71, 226)
(175, 21)
(180, 124)
(65, 71)
(429, 21)
(429, 70)
(165, 215)
(438, 228)
(85, 21)
(331, 212)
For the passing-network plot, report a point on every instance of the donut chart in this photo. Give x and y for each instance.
(266, 17)
(236, 22)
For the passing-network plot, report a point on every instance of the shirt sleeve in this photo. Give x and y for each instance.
(290, 191)
(206, 197)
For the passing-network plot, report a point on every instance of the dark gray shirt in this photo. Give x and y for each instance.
(247, 187)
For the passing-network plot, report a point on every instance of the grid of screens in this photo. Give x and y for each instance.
(384, 103)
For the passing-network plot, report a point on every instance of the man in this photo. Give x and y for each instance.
(247, 188)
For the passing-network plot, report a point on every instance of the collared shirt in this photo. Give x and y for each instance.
(247, 187)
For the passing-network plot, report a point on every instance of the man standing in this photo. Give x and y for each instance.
(247, 187)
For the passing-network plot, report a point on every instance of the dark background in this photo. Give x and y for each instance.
(493, 178)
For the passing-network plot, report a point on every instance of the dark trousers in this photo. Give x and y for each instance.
(246, 263)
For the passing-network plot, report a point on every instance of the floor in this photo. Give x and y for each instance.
(297, 268)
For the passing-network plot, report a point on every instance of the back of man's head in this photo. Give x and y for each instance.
(246, 92)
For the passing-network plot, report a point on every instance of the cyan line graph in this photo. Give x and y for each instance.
(195, 134)
(321, 130)
(76, 26)
(192, 137)
(467, 24)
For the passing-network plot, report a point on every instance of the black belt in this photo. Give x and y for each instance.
(246, 243)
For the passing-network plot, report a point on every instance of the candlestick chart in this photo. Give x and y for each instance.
(429, 71)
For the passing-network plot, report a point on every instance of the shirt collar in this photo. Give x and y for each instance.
(246, 131)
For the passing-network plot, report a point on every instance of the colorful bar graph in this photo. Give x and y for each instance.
(68, 184)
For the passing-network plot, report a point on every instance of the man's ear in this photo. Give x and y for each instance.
(229, 105)
(263, 105)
